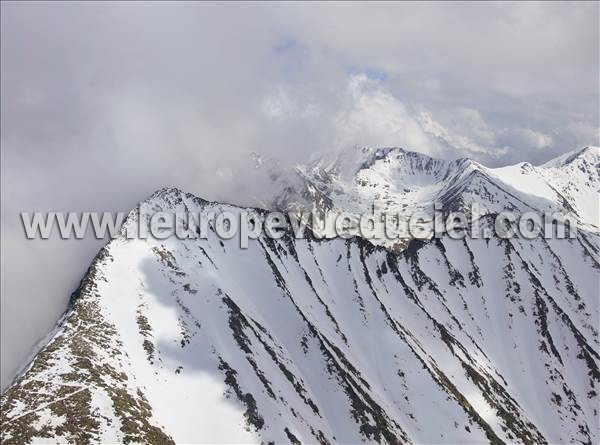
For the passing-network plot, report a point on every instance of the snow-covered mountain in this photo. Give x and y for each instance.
(404, 182)
(339, 340)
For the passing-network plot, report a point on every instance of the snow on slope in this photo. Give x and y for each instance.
(329, 341)
(406, 182)
(338, 340)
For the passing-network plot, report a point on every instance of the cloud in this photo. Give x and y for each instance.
(526, 138)
(373, 117)
(454, 139)
(102, 103)
(584, 131)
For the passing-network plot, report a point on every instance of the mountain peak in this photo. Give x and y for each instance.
(165, 192)
(589, 154)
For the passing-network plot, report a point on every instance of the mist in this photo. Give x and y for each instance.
(103, 103)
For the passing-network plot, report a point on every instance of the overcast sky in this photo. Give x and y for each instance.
(103, 103)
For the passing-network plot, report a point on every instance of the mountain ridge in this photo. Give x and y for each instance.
(329, 341)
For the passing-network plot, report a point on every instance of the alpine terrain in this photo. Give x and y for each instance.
(337, 340)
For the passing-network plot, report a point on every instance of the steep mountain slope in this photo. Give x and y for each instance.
(404, 182)
(329, 341)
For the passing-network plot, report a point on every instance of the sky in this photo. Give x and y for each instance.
(101, 104)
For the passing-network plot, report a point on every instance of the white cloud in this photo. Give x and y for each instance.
(533, 139)
(373, 117)
(452, 138)
(584, 131)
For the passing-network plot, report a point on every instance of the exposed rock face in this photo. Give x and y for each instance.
(329, 341)
(407, 182)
